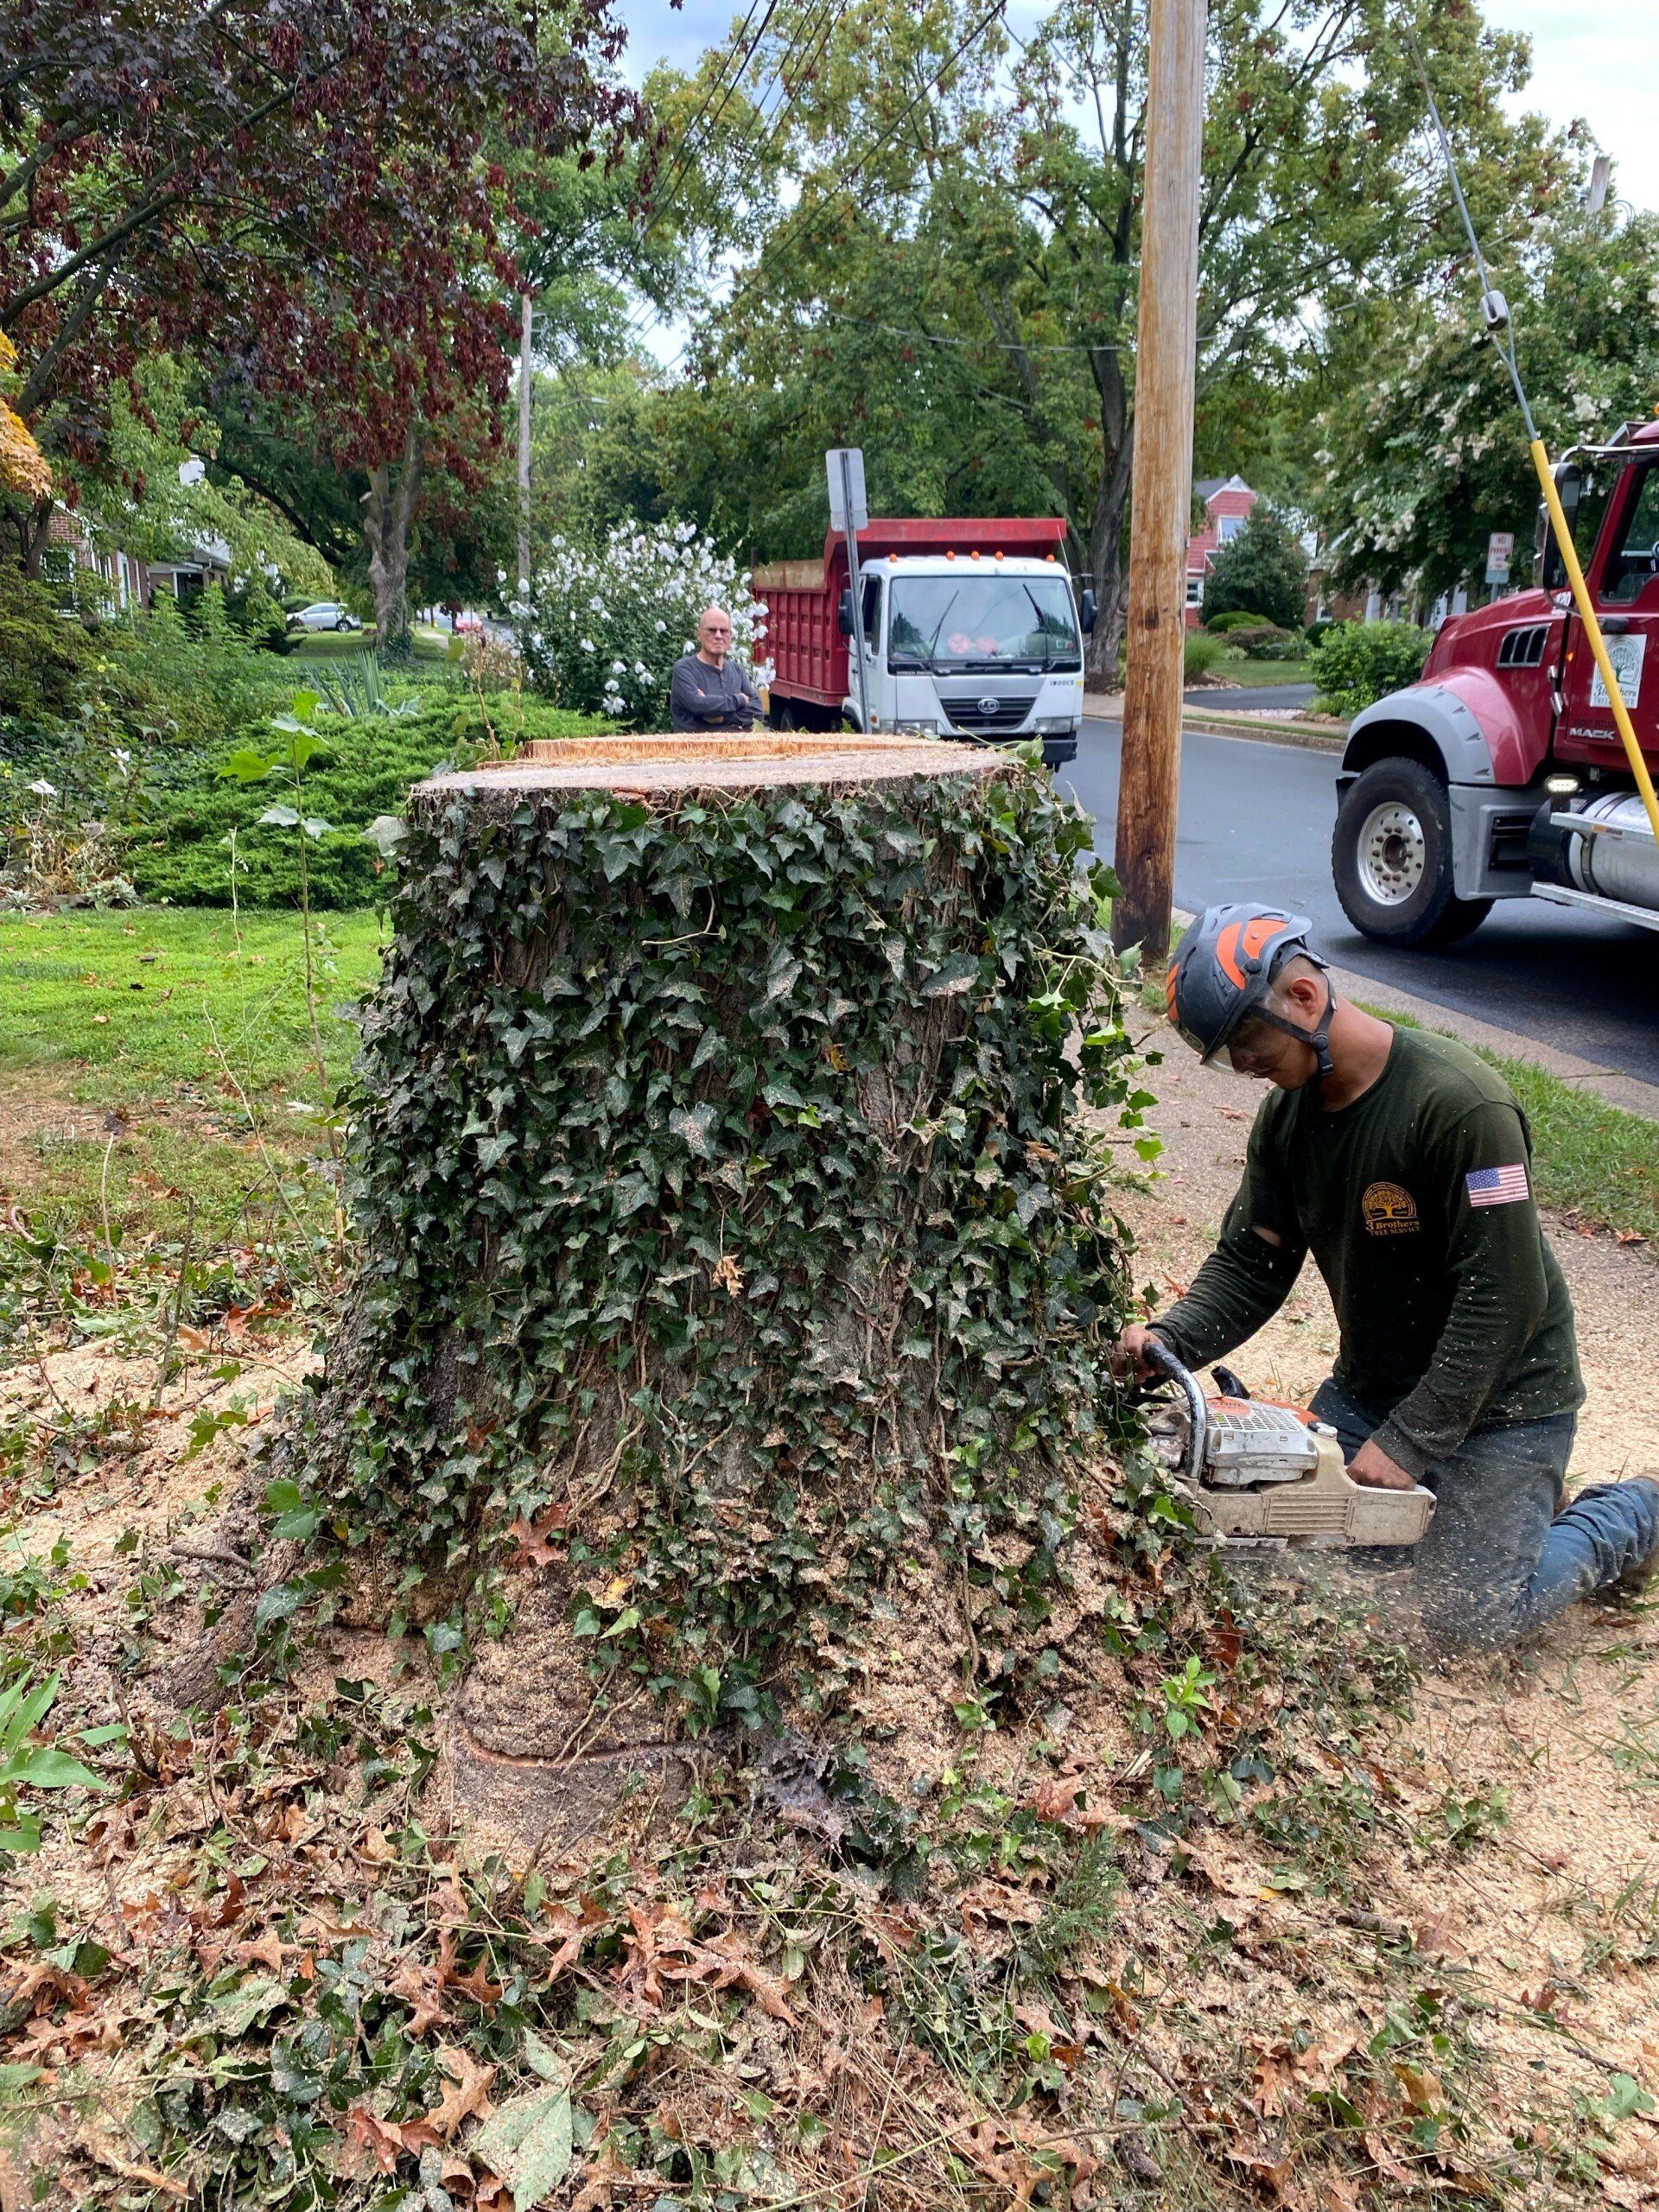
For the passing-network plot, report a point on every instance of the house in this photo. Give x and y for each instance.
(73, 548)
(1227, 504)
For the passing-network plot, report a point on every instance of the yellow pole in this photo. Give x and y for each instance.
(1592, 630)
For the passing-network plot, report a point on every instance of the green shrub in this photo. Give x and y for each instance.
(1199, 655)
(44, 654)
(1317, 631)
(1356, 663)
(1255, 638)
(183, 854)
(1235, 617)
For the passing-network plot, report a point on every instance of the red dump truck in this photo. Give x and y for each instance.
(1500, 774)
(969, 629)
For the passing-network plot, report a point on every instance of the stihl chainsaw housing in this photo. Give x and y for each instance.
(1258, 1473)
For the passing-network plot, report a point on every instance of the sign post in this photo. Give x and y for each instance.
(849, 513)
(1500, 551)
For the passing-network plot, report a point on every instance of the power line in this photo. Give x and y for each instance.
(715, 83)
(1002, 345)
(856, 169)
(764, 131)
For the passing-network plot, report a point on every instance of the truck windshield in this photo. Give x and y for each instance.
(983, 622)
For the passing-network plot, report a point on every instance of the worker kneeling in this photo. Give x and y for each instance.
(1402, 1163)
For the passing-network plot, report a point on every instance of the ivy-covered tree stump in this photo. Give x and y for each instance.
(732, 1246)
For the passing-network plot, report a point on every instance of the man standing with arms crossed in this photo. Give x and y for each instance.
(709, 690)
(1402, 1163)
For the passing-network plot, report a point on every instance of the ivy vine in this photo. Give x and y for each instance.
(730, 1221)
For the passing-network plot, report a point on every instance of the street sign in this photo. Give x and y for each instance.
(1500, 551)
(844, 466)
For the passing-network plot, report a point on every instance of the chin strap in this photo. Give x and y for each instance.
(1318, 1039)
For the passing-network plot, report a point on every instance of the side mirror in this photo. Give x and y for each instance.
(1090, 612)
(1569, 485)
(1551, 569)
(845, 612)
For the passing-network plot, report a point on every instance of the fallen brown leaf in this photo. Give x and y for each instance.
(107, 2153)
(467, 2096)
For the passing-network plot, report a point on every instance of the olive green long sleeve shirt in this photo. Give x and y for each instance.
(1415, 1202)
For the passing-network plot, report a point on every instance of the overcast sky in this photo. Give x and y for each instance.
(1598, 62)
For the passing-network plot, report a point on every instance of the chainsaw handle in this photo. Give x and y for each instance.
(1159, 1357)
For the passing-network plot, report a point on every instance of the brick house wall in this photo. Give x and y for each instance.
(1227, 502)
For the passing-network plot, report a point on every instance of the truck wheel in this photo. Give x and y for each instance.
(1391, 857)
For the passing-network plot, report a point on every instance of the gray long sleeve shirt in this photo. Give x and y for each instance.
(704, 698)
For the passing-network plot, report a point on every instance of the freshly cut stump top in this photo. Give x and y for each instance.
(638, 768)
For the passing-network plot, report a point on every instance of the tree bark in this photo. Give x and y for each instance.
(389, 508)
(35, 529)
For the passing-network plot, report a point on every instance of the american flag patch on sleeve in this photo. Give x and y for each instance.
(1497, 1186)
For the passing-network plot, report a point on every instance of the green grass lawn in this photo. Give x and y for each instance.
(119, 1004)
(157, 1071)
(1262, 675)
(337, 645)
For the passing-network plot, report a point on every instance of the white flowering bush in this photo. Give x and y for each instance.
(599, 628)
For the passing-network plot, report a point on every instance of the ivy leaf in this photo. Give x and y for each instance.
(784, 975)
(694, 1126)
(489, 1149)
(959, 973)
(385, 832)
(528, 2143)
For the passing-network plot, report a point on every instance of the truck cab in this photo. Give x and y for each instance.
(966, 629)
(1500, 774)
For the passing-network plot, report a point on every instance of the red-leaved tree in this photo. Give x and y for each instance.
(312, 196)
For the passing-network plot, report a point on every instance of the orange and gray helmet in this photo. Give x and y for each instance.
(1223, 974)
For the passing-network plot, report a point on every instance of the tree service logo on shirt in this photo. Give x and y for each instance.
(1388, 1210)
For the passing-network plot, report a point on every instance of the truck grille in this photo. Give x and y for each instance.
(973, 714)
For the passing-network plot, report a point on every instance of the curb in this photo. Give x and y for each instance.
(1256, 730)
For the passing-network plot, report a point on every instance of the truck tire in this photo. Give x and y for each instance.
(1391, 858)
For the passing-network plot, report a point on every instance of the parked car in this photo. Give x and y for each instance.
(324, 614)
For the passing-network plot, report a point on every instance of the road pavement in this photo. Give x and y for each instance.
(1255, 822)
(1239, 698)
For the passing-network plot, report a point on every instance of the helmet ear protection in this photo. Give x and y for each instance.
(1223, 976)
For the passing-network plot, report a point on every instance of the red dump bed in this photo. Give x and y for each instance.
(802, 627)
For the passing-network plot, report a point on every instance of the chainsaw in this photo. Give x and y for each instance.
(1263, 1475)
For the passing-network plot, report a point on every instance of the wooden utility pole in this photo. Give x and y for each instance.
(1166, 346)
(523, 442)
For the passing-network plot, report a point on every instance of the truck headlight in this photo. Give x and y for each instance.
(1054, 726)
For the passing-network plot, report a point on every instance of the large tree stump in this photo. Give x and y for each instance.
(731, 1243)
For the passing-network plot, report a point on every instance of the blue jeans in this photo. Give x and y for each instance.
(1503, 1555)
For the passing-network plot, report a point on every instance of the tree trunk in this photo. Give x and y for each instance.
(1106, 532)
(389, 509)
(36, 531)
(729, 1270)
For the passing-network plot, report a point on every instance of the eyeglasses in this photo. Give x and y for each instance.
(718, 629)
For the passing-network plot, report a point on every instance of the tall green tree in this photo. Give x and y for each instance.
(1421, 451)
(934, 238)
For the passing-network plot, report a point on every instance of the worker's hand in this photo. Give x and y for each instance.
(1130, 1353)
(1371, 1466)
